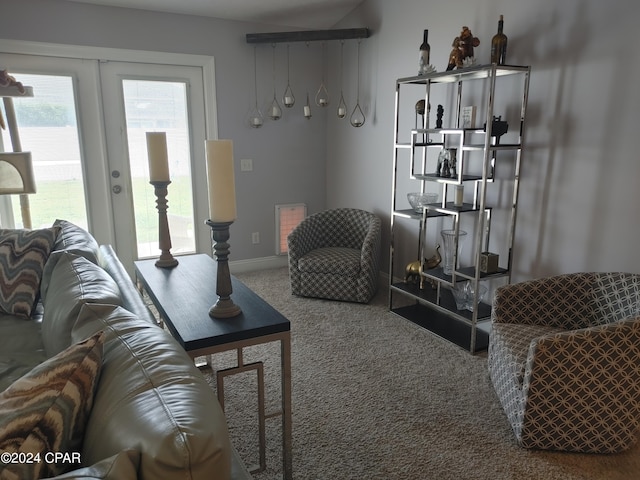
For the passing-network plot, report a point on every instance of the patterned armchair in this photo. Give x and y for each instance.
(564, 358)
(335, 254)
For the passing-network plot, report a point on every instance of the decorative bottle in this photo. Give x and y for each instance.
(499, 45)
(425, 52)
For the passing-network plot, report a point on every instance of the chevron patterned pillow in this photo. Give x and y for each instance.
(45, 412)
(23, 254)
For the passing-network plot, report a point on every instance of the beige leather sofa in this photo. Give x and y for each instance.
(154, 416)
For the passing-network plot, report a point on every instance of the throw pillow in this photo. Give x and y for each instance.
(47, 410)
(23, 254)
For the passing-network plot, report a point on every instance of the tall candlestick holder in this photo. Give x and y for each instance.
(166, 260)
(224, 306)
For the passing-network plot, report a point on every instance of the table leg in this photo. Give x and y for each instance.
(241, 368)
(287, 441)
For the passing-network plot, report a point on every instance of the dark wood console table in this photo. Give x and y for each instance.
(183, 296)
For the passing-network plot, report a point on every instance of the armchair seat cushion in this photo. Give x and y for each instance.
(335, 260)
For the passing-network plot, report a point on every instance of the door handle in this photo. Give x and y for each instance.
(116, 189)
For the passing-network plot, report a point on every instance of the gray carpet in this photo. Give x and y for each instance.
(376, 397)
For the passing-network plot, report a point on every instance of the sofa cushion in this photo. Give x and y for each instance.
(23, 254)
(21, 348)
(47, 409)
(153, 399)
(335, 260)
(77, 281)
(77, 240)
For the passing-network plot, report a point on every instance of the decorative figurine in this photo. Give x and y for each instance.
(453, 153)
(413, 271)
(462, 53)
(439, 114)
(443, 158)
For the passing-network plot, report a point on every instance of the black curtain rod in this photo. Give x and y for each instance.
(308, 35)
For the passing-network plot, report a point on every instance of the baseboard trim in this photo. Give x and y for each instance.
(262, 263)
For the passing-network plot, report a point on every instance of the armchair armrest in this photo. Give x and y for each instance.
(590, 379)
(305, 237)
(370, 252)
(560, 301)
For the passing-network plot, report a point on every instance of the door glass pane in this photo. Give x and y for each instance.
(158, 106)
(47, 127)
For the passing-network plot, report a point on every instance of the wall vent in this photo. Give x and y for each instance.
(288, 216)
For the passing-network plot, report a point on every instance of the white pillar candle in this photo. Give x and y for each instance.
(459, 196)
(221, 180)
(307, 111)
(158, 158)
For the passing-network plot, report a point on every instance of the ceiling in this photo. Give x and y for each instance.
(302, 14)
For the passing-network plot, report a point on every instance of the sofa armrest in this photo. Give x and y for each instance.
(131, 299)
(562, 301)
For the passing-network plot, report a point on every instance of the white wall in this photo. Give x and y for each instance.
(288, 155)
(579, 198)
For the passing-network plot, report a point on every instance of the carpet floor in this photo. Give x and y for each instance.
(376, 397)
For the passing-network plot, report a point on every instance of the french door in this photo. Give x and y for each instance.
(140, 98)
(92, 164)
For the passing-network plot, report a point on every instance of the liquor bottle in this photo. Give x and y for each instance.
(499, 45)
(425, 52)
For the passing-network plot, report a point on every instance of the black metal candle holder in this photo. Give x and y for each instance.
(224, 306)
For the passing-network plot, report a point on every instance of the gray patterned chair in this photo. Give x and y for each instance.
(564, 358)
(335, 254)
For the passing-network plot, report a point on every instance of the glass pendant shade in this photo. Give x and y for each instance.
(322, 97)
(357, 117)
(307, 108)
(255, 116)
(275, 112)
(288, 99)
(342, 105)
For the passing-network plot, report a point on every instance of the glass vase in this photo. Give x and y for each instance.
(449, 249)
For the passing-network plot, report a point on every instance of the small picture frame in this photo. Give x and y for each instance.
(468, 117)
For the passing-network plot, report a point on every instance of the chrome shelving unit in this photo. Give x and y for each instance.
(481, 153)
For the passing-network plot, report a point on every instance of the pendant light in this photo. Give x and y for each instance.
(357, 117)
(307, 107)
(342, 105)
(288, 99)
(275, 112)
(322, 96)
(255, 117)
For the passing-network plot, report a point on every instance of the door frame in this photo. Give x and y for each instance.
(104, 231)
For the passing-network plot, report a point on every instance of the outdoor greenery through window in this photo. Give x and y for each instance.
(159, 106)
(48, 129)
